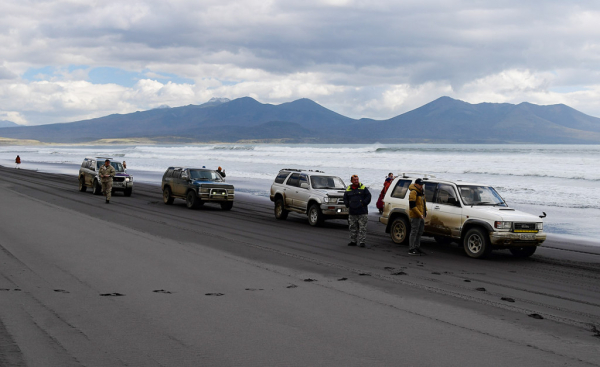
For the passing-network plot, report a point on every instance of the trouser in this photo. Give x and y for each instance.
(416, 230)
(107, 189)
(358, 227)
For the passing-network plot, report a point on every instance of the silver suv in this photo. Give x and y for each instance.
(471, 214)
(314, 193)
(88, 176)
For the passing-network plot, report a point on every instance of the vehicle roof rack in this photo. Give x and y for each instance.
(425, 176)
(300, 170)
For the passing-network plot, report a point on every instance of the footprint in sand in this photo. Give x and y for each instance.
(436, 273)
(254, 289)
(480, 289)
(399, 273)
(214, 294)
(162, 291)
(61, 291)
(114, 294)
(536, 316)
(389, 268)
(467, 280)
(507, 299)
(292, 286)
(365, 274)
(342, 279)
(310, 280)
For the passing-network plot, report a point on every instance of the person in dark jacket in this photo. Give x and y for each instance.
(221, 172)
(386, 186)
(357, 198)
(17, 162)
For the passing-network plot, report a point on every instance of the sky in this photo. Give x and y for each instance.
(71, 60)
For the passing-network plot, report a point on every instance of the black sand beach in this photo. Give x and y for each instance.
(140, 283)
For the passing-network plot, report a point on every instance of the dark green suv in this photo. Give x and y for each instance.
(197, 186)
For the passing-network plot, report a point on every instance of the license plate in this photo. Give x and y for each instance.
(117, 184)
(528, 236)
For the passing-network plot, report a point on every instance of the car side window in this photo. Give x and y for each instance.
(281, 177)
(302, 179)
(401, 189)
(177, 173)
(169, 173)
(430, 188)
(293, 180)
(446, 195)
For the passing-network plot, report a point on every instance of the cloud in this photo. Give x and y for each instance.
(360, 58)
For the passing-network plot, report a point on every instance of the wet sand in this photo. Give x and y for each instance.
(137, 282)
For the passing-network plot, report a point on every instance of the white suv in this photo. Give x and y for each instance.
(472, 214)
(314, 193)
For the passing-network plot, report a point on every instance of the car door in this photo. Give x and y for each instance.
(429, 189)
(291, 189)
(302, 193)
(178, 187)
(90, 172)
(446, 215)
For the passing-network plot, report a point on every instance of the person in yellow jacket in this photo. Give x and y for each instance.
(417, 213)
(106, 173)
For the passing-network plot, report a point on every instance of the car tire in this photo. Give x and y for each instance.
(127, 192)
(523, 252)
(477, 243)
(400, 231)
(167, 198)
(227, 205)
(82, 186)
(96, 188)
(191, 200)
(442, 240)
(315, 216)
(280, 212)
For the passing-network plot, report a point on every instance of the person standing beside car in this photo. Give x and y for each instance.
(17, 162)
(221, 172)
(106, 173)
(357, 198)
(417, 213)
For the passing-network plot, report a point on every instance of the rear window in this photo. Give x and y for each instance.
(169, 173)
(400, 189)
(281, 177)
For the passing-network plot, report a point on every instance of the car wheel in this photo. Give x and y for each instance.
(96, 188)
(227, 205)
(191, 200)
(523, 251)
(442, 240)
(127, 192)
(477, 243)
(315, 216)
(82, 186)
(167, 198)
(280, 212)
(400, 231)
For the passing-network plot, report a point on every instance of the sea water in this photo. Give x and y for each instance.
(561, 180)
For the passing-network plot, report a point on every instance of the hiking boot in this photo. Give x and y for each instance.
(352, 244)
(107, 201)
(413, 252)
(421, 252)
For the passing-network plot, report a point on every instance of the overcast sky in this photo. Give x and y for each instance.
(69, 60)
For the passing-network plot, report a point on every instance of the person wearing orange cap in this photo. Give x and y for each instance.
(221, 172)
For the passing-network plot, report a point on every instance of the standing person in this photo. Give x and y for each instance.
(386, 186)
(357, 198)
(107, 172)
(18, 162)
(417, 213)
(124, 166)
(221, 172)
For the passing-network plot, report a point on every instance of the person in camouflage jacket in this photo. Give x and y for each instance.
(106, 173)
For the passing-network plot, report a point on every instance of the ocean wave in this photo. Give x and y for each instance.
(540, 175)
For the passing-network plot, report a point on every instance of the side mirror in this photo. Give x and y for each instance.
(304, 185)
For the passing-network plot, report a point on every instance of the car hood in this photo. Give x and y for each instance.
(211, 183)
(122, 174)
(330, 192)
(503, 214)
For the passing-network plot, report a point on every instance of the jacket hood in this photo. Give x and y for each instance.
(413, 187)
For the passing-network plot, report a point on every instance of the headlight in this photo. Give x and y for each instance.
(327, 199)
(203, 190)
(539, 226)
(502, 225)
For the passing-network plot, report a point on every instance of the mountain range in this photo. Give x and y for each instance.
(444, 120)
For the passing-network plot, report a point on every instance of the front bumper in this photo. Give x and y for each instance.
(122, 185)
(334, 210)
(516, 239)
(217, 194)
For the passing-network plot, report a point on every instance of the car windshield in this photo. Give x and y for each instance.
(327, 182)
(480, 195)
(205, 175)
(116, 165)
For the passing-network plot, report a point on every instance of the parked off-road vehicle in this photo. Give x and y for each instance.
(474, 215)
(314, 193)
(196, 186)
(88, 176)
